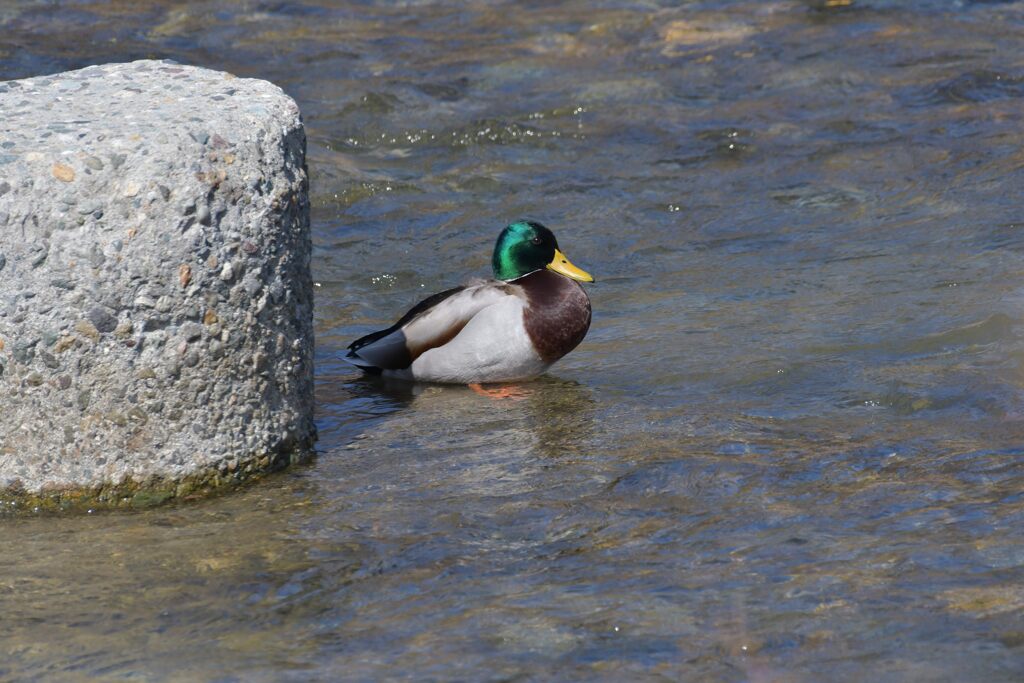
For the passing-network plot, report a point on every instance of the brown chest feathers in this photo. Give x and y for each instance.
(557, 316)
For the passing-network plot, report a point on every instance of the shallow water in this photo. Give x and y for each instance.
(790, 448)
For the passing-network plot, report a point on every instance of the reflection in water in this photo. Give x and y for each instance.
(347, 407)
(789, 448)
(551, 416)
(562, 415)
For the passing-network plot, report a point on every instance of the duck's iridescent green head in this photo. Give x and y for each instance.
(526, 246)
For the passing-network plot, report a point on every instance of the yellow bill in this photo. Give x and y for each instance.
(562, 265)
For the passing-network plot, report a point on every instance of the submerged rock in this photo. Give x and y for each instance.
(146, 209)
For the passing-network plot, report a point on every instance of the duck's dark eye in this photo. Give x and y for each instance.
(537, 240)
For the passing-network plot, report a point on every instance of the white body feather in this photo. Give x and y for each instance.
(474, 335)
(478, 354)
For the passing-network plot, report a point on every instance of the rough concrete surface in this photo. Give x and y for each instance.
(155, 293)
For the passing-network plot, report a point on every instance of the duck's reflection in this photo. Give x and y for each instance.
(551, 415)
(561, 415)
(348, 406)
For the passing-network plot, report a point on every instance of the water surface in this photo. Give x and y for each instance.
(790, 448)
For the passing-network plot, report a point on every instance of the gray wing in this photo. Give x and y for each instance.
(433, 322)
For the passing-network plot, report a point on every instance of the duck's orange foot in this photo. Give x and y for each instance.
(508, 391)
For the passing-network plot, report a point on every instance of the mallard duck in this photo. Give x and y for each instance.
(507, 329)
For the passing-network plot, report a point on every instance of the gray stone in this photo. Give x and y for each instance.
(191, 331)
(126, 216)
(102, 318)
